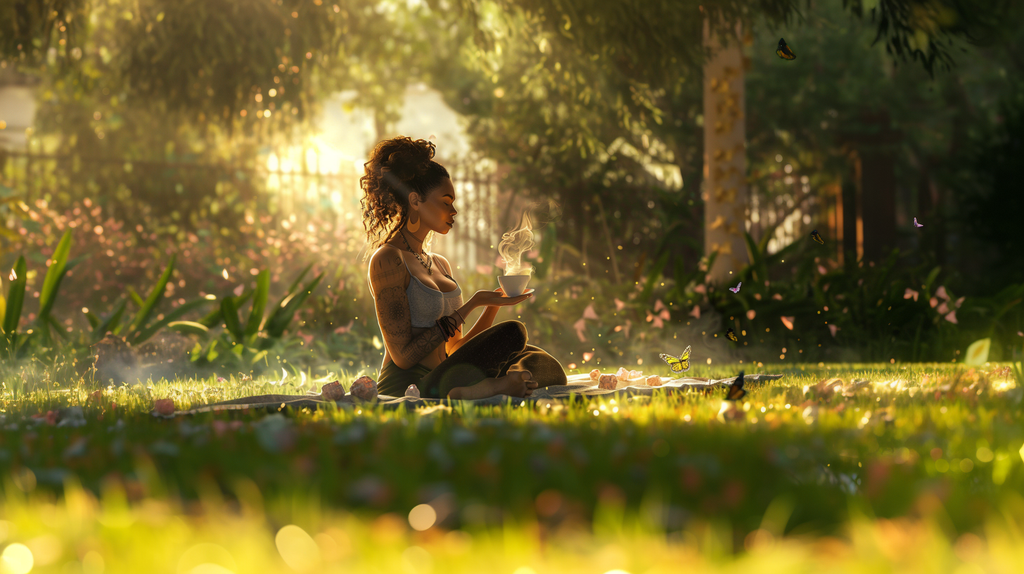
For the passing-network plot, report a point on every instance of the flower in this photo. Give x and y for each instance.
(788, 322)
(941, 292)
(951, 317)
(589, 313)
(910, 293)
(619, 305)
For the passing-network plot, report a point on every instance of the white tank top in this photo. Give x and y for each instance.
(427, 305)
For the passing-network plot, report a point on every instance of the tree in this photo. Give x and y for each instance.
(647, 49)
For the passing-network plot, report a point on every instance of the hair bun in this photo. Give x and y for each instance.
(411, 159)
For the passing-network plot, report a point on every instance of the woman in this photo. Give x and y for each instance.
(406, 198)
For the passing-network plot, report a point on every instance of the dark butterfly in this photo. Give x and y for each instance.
(783, 50)
(817, 237)
(731, 335)
(735, 391)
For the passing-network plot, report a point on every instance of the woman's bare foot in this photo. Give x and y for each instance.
(514, 384)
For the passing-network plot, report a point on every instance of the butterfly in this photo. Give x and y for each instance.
(817, 237)
(678, 364)
(783, 50)
(735, 391)
(731, 335)
(736, 289)
(916, 224)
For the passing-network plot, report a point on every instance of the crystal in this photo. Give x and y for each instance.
(364, 388)
(595, 374)
(164, 406)
(654, 381)
(608, 382)
(412, 391)
(332, 391)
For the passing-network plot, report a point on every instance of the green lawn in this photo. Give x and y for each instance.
(930, 452)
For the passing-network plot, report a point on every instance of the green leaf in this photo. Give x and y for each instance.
(258, 357)
(284, 312)
(154, 297)
(54, 275)
(112, 324)
(175, 313)
(230, 314)
(211, 353)
(189, 328)
(259, 304)
(136, 298)
(15, 298)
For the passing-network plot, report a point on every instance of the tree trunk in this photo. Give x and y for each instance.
(725, 190)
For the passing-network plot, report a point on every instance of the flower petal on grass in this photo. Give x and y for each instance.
(788, 322)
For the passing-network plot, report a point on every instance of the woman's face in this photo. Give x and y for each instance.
(437, 211)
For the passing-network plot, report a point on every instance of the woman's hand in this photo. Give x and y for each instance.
(497, 298)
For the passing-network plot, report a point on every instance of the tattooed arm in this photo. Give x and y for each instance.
(387, 283)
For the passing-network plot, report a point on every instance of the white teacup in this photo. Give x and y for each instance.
(513, 285)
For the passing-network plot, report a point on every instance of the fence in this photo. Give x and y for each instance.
(294, 187)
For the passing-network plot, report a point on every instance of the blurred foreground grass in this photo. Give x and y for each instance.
(917, 457)
(83, 534)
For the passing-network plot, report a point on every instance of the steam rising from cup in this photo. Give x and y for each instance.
(514, 243)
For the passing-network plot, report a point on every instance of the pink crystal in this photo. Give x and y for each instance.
(622, 373)
(595, 374)
(164, 406)
(635, 374)
(413, 391)
(608, 382)
(654, 381)
(364, 388)
(332, 391)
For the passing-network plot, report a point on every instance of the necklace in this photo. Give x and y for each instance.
(426, 266)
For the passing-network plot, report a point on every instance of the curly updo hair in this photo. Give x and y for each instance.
(397, 167)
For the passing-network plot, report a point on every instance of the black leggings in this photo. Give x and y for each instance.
(492, 353)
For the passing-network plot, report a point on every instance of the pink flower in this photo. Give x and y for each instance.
(619, 305)
(910, 293)
(658, 306)
(943, 308)
(788, 322)
(959, 302)
(933, 301)
(589, 313)
(951, 317)
(700, 289)
(941, 292)
(580, 327)
(695, 313)
(345, 328)
(833, 328)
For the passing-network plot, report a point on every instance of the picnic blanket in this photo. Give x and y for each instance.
(579, 387)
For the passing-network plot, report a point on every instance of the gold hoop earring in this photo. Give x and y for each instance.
(413, 226)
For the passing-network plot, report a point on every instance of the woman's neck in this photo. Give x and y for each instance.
(414, 243)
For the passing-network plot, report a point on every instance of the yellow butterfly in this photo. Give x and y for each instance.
(731, 335)
(783, 50)
(817, 237)
(678, 364)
